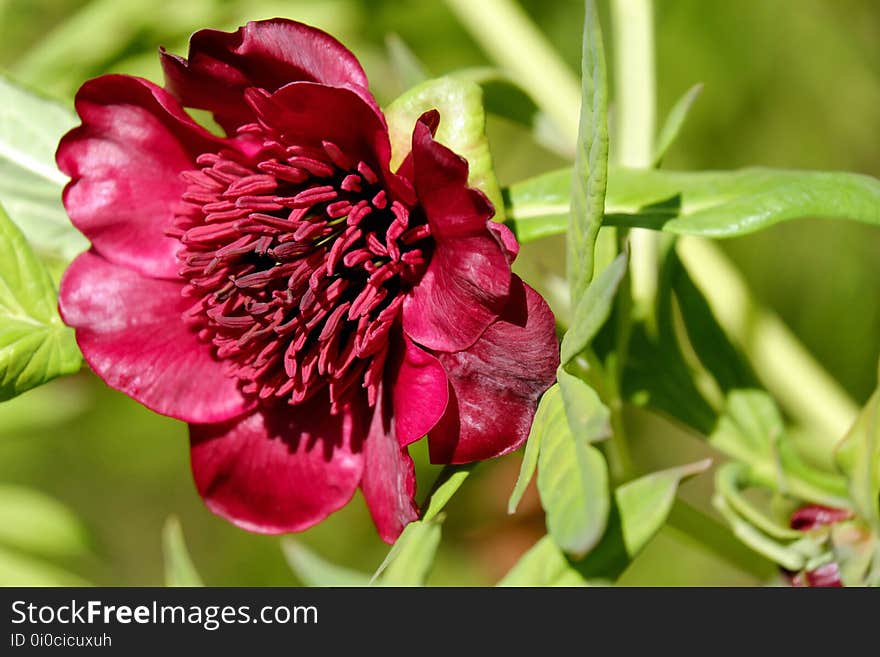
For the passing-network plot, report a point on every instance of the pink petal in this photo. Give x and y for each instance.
(279, 470)
(389, 481)
(466, 285)
(420, 391)
(264, 54)
(124, 162)
(496, 383)
(130, 331)
(308, 114)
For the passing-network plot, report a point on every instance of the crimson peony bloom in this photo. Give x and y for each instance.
(308, 311)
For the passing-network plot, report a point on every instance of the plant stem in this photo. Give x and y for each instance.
(635, 110)
(509, 37)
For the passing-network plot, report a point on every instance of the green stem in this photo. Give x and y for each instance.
(507, 34)
(635, 118)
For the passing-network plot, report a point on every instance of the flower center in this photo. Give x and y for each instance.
(297, 266)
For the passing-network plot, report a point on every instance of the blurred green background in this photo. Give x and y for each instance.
(788, 83)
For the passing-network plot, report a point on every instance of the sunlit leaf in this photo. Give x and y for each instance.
(543, 565)
(462, 128)
(179, 568)
(33, 522)
(527, 468)
(640, 509)
(591, 159)
(411, 557)
(674, 122)
(572, 479)
(35, 346)
(313, 570)
(645, 503)
(587, 415)
(30, 183)
(593, 308)
(715, 204)
(448, 482)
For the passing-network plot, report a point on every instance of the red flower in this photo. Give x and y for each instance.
(306, 310)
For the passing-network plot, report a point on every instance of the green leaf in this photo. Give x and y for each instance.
(179, 568)
(750, 427)
(858, 457)
(448, 482)
(674, 122)
(35, 346)
(30, 182)
(31, 521)
(314, 570)
(462, 128)
(593, 309)
(539, 207)
(572, 479)
(543, 565)
(712, 346)
(786, 555)
(645, 503)
(717, 204)
(586, 414)
(411, 557)
(591, 159)
(21, 570)
(731, 480)
(527, 469)
(641, 509)
(656, 373)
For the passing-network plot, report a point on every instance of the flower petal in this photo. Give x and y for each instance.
(420, 391)
(466, 285)
(124, 162)
(264, 54)
(308, 114)
(130, 331)
(496, 383)
(389, 481)
(507, 239)
(279, 470)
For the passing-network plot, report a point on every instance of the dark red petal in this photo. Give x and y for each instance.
(308, 114)
(496, 383)
(825, 576)
(264, 54)
(815, 515)
(389, 481)
(279, 470)
(420, 391)
(507, 239)
(461, 293)
(130, 331)
(124, 162)
(452, 208)
(466, 285)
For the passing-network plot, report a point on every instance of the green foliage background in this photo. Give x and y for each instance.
(788, 83)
